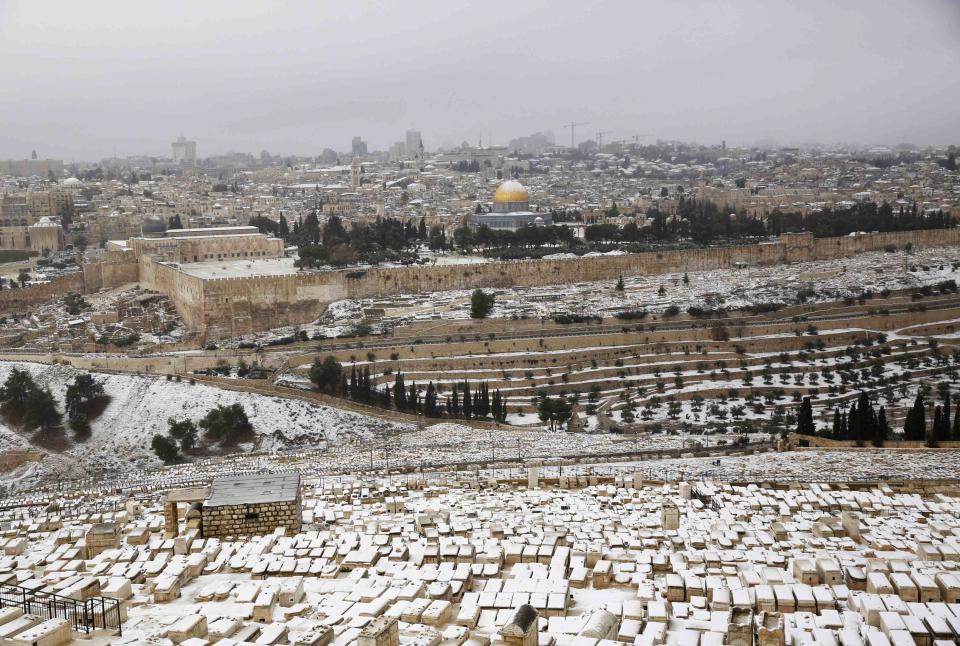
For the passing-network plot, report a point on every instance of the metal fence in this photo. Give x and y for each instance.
(92, 614)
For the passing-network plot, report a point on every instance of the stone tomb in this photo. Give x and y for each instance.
(252, 504)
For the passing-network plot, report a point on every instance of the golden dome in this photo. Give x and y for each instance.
(511, 191)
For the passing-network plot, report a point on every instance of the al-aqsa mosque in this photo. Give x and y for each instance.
(511, 210)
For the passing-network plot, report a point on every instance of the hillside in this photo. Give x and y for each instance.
(140, 406)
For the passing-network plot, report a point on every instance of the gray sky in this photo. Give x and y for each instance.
(78, 78)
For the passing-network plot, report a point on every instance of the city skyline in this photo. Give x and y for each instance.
(240, 78)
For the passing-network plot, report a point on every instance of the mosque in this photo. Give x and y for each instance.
(511, 210)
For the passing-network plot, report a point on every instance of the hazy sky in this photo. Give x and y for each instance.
(78, 78)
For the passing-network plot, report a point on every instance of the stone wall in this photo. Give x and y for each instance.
(186, 291)
(243, 305)
(251, 520)
(21, 300)
(233, 306)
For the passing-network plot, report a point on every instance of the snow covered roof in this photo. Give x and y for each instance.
(253, 489)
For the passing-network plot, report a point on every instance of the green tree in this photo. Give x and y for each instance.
(620, 286)
(16, 390)
(430, 402)
(165, 449)
(467, 401)
(942, 430)
(554, 411)
(915, 424)
(399, 392)
(184, 432)
(882, 429)
(228, 425)
(41, 410)
(805, 425)
(81, 394)
(327, 375)
(481, 304)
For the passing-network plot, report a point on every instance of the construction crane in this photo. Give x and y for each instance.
(636, 138)
(600, 134)
(573, 127)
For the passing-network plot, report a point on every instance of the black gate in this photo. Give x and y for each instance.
(92, 614)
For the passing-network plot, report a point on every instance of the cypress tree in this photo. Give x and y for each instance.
(844, 432)
(882, 428)
(941, 428)
(467, 401)
(430, 401)
(353, 383)
(915, 426)
(413, 398)
(956, 426)
(853, 423)
(399, 392)
(385, 397)
(805, 424)
(836, 423)
(484, 401)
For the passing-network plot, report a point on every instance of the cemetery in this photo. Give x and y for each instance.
(254, 551)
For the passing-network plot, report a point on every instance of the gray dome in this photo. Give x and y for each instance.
(154, 224)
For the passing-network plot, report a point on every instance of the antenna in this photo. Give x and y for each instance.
(600, 134)
(573, 127)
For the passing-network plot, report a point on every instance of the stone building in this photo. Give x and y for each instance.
(251, 504)
(46, 235)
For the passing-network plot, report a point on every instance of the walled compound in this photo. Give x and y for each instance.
(232, 281)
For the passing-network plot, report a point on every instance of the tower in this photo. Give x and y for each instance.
(356, 174)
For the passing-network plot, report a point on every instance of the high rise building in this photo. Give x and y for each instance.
(184, 152)
(358, 146)
(414, 143)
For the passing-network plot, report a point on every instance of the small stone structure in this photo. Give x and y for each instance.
(521, 630)
(770, 631)
(171, 515)
(100, 537)
(382, 631)
(669, 516)
(251, 504)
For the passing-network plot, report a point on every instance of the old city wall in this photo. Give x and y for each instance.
(530, 273)
(111, 273)
(186, 291)
(21, 300)
(232, 306)
(235, 306)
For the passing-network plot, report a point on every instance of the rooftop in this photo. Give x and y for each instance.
(254, 489)
(240, 268)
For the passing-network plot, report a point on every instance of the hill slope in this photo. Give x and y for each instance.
(140, 406)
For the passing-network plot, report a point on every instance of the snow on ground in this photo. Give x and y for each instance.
(801, 466)
(141, 405)
(822, 280)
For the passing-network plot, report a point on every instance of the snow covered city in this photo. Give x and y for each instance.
(448, 323)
